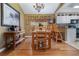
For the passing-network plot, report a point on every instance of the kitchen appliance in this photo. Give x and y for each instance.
(74, 21)
(77, 32)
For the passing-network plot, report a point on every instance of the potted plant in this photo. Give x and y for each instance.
(40, 25)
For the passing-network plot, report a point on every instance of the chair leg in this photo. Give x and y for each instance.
(56, 39)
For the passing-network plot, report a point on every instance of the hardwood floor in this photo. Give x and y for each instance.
(57, 49)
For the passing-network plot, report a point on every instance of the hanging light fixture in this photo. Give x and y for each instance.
(38, 6)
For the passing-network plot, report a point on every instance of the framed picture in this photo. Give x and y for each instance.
(9, 15)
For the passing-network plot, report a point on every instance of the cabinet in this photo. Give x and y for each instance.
(62, 19)
(71, 34)
(13, 38)
(65, 19)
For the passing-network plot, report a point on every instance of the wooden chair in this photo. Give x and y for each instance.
(41, 37)
(56, 33)
(41, 40)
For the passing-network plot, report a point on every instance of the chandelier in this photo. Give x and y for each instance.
(38, 6)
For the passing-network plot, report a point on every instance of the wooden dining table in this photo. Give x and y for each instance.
(41, 35)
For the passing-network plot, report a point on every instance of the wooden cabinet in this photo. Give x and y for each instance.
(12, 38)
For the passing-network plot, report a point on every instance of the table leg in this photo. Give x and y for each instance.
(6, 45)
(14, 43)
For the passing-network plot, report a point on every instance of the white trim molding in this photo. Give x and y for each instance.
(2, 49)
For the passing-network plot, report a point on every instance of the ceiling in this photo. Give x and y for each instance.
(68, 8)
(49, 8)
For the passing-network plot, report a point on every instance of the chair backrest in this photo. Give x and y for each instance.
(41, 34)
(55, 28)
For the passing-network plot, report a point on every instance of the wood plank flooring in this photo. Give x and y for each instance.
(57, 49)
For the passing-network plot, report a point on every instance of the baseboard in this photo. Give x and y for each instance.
(2, 49)
(71, 45)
